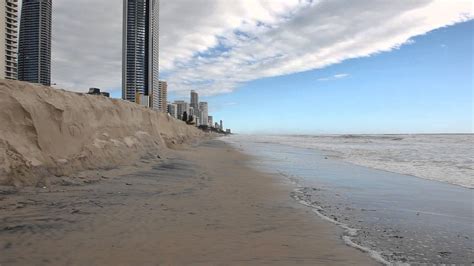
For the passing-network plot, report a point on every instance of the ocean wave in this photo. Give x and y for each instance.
(444, 158)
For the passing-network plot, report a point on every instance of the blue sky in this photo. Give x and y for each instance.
(304, 67)
(423, 87)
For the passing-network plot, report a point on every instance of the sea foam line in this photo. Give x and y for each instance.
(349, 232)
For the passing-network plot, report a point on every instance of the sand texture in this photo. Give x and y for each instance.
(49, 132)
(201, 206)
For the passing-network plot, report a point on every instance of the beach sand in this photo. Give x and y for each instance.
(202, 206)
(51, 132)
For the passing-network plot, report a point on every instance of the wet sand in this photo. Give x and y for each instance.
(401, 219)
(202, 207)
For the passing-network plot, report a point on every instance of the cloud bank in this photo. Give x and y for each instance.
(216, 45)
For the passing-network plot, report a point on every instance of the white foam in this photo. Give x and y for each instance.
(349, 232)
(444, 158)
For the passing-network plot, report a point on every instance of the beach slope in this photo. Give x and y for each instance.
(49, 132)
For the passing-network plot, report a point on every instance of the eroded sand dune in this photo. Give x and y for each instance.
(45, 131)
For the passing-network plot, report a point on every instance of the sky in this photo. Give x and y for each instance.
(291, 66)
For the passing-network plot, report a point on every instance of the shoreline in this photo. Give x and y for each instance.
(382, 213)
(409, 154)
(203, 205)
(298, 195)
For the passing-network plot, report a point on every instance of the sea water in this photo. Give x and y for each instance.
(395, 217)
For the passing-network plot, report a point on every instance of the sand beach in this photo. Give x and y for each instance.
(202, 206)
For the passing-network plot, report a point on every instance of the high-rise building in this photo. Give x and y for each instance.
(221, 126)
(196, 121)
(8, 39)
(194, 100)
(163, 96)
(158, 99)
(205, 113)
(173, 110)
(210, 121)
(181, 107)
(140, 66)
(197, 116)
(34, 51)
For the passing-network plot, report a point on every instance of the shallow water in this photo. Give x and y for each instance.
(403, 218)
(447, 158)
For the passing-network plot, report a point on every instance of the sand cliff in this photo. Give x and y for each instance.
(49, 132)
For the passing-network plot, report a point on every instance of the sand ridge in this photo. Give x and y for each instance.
(46, 131)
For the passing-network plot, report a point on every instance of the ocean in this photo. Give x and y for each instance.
(401, 198)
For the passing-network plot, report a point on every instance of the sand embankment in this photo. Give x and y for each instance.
(45, 131)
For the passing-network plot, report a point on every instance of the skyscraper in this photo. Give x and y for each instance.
(173, 110)
(210, 121)
(140, 69)
(181, 107)
(158, 99)
(205, 113)
(162, 101)
(8, 39)
(34, 52)
(194, 100)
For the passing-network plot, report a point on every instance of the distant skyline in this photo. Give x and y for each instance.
(356, 71)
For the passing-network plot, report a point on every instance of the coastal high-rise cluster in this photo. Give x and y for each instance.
(27, 58)
(140, 66)
(25, 54)
(195, 112)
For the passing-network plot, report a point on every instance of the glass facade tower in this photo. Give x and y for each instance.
(34, 51)
(140, 73)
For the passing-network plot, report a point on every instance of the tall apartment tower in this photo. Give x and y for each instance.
(140, 66)
(173, 110)
(163, 97)
(159, 98)
(181, 107)
(210, 121)
(8, 39)
(34, 52)
(194, 100)
(203, 106)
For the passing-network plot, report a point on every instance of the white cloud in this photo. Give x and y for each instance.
(334, 77)
(215, 45)
(87, 44)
